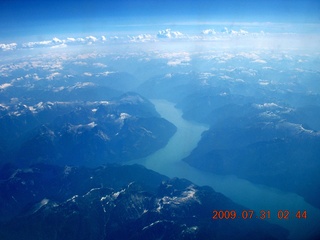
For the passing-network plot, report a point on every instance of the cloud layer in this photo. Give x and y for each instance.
(225, 35)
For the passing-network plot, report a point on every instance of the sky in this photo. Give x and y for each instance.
(38, 20)
(19, 16)
(278, 10)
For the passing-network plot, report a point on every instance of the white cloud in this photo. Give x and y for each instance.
(7, 47)
(91, 39)
(169, 34)
(70, 39)
(36, 77)
(87, 74)
(225, 77)
(52, 76)
(238, 33)
(234, 32)
(175, 62)
(250, 55)
(224, 36)
(227, 38)
(243, 32)
(80, 40)
(58, 89)
(268, 68)
(57, 40)
(264, 82)
(171, 55)
(114, 38)
(68, 76)
(87, 55)
(36, 44)
(175, 59)
(209, 32)
(63, 45)
(106, 73)
(225, 30)
(266, 105)
(259, 61)
(141, 38)
(79, 63)
(101, 65)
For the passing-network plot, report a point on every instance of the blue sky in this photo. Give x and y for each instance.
(22, 17)
(265, 10)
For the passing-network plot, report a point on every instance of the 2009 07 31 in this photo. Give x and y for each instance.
(262, 214)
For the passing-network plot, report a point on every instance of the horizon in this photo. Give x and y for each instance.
(31, 20)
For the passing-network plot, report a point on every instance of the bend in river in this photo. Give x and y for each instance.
(167, 161)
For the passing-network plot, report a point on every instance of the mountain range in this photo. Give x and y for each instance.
(82, 133)
(116, 202)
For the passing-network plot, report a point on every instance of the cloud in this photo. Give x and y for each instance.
(7, 47)
(224, 34)
(52, 76)
(225, 77)
(63, 45)
(107, 73)
(264, 82)
(238, 33)
(101, 65)
(35, 76)
(87, 74)
(36, 44)
(57, 40)
(225, 30)
(169, 34)
(115, 38)
(209, 32)
(91, 39)
(234, 32)
(259, 61)
(141, 38)
(70, 39)
(80, 63)
(177, 58)
(249, 55)
(267, 105)
(177, 62)
(226, 38)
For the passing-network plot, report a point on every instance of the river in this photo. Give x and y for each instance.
(167, 161)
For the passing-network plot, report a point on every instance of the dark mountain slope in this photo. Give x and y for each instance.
(82, 133)
(117, 202)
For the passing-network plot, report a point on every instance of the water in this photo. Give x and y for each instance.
(167, 161)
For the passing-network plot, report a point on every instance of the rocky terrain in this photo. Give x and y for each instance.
(116, 202)
(81, 132)
(264, 131)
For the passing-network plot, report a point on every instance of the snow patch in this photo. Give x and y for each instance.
(73, 199)
(92, 124)
(116, 194)
(152, 224)
(124, 116)
(5, 85)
